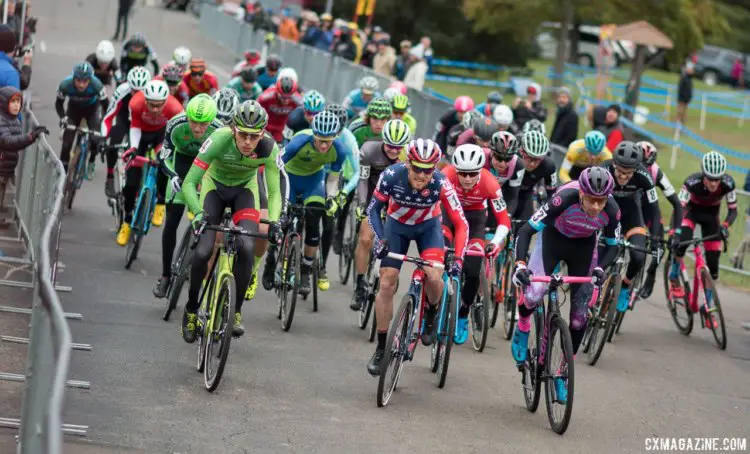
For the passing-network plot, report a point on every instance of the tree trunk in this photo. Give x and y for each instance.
(566, 14)
(575, 37)
(633, 88)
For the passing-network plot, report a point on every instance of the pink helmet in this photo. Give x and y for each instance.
(463, 104)
(400, 86)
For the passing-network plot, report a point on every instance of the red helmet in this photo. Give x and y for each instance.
(423, 151)
(400, 86)
(252, 56)
(463, 104)
(286, 86)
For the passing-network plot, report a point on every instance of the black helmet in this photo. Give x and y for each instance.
(484, 128)
(273, 62)
(138, 39)
(248, 75)
(627, 154)
(494, 97)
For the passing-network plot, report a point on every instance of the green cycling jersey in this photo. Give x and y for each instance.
(245, 95)
(362, 132)
(219, 160)
(179, 138)
(411, 122)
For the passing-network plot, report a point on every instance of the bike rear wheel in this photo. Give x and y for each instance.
(220, 337)
(479, 315)
(509, 298)
(531, 378)
(348, 244)
(74, 178)
(597, 331)
(396, 346)
(315, 276)
(180, 272)
(447, 329)
(714, 310)
(139, 227)
(494, 291)
(290, 276)
(559, 369)
(679, 308)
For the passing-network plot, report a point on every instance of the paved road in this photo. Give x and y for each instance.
(308, 390)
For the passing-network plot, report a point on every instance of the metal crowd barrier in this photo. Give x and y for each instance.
(332, 76)
(37, 216)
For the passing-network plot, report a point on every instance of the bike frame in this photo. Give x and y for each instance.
(700, 264)
(149, 181)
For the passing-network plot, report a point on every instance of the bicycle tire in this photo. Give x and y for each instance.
(373, 327)
(225, 302)
(136, 236)
(347, 249)
(721, 342)
(292, 258)
(635, 287)
(444, 340)
(604, 319)
(494, 289)
(315, 277)
(201, 332)
(557, 324)
(675, 307)
(180, 272)
(481, 306)
(369, 302)
(395, 362)
(71, 188)
(531, 372)
(509, 299)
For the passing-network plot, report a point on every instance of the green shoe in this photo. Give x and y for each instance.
(238, 330)
(189, 325)
(252, 288)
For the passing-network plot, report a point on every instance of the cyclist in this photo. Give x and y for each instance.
(451, 118)
(150, 110)
(400, 106)
(226, 168)
(226, 101)
(300, 118)
(537, 167)
(494, 99)
(635, 194)
(84, 93)
(469, 119)
(199, 79)
(480, 133)
(267, 74)
(504, 164)
(570, 223)
(477, 191)
(503, 115)
(305, 158)
(279, 101)
(649, 152)
(137, 52)
(106, 68)
(116, 122)
(534, 125)
(172, 75)
(245, 84)
(413, 192)
(358, 99)
(184, 136)
(181, 57)
(370, 126)
(251, 61)
(376, 157)
(701, 195)
(582, 153)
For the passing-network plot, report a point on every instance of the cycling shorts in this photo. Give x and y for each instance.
(311, 187)
(709, 223)
(428, 236)
(477, 220)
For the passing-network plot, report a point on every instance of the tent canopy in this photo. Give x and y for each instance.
(642, 32)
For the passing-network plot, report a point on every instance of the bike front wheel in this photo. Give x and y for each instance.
(559, 374)
(714, 315)
(531, 378)
(139, 227)
(180, 272)
(219, 337)
(290, 273)
(599, 327)
(509, 298)
(479, 315)
(446, 330)
(679, 307)
(396, 345)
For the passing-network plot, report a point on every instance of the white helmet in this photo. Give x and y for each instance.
(227, 99)
(391, 93)
(714, 165)
(182, 56)
(288, 72)
(156, 90)
(503, 115)
(468, 158)
(105, 52)
(138, 77)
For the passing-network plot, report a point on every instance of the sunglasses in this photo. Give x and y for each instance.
(392, 148)
(468, 174)
(594, 199)
(310, 113)
(502, 158)
(197, 73)
(251, 135)
(155, 105)
(425, 170)
(526, 157)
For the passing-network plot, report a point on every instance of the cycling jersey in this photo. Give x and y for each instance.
(355, 103)
(241, 66)
(696, 198)
(223, 163)
(266, 80)
(278, 109)
(444, 124)
(302, 159)
(578, 158)
(93, 94)
(373, 161)
(245, 95)
(485, 109)
(546, 172)
(142, 120)
(296, 120)
(411, 122)
(179, 138)
(208, 84)
(182, 94)
(637, 200)
(119, 108)
(129, 58)
(661, 180)
(362, 131)
(105, 74)
(510, 180)
(465, 137)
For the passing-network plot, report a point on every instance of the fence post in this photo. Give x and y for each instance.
(703, 111)
(741, 120)
(675, 146)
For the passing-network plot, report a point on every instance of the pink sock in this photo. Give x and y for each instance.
(524, 323)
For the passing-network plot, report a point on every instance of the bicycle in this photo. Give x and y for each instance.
(479, 313)
(79, 157)
(144, 207)
(538, 366)
(218, 298)
(288, 264)
(503, 290)
(680, 300)
(180, 274)
(371, 285)
(406, 327)
(348, 243)
(117, 203)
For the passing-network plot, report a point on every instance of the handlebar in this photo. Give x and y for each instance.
(563, 279)
(83, 130)
(474, 253)
(140, 161)
(416, 260)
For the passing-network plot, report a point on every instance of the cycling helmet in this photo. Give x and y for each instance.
(535, 144)
(463, 104)
(534, 125)
(594, 142)
(83, 71)
(400, 86)
(325, 125)
(172, 74)
(503, 144)
(468, 158)
(340, 112)
(197, 65)
(252, 56)
(138, 77)
(649, 152)
(139, 39)
(156, 90)
(424, 152)
(596, 181)
(494, 97)
(484, 128)
(470, 118)
(714, 165)
(250, 117)
(248, 75)
(396, 133)
(627, 154)
(400, 103)
(313, 101)
(391, 93)
(368, 84)
(105, 52)
(182, 56)
(503, 115)
(379, 108)
(201, 109)
(273, 62)
(286, 86)
(289, 72)
(226, 101)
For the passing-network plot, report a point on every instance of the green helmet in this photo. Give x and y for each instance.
(714, 165)
(396, 133)
(535, 144)
(400, 103)
(379, 108)
(201, 109)
(250, 117)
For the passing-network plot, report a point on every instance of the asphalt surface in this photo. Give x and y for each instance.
(308, 390)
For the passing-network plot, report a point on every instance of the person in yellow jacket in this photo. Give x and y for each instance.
(583, 153)
(357, 40)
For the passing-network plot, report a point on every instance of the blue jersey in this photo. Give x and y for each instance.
(356, 103)
(302, 159)
(91, 95)
(264, 79)
(296, 120)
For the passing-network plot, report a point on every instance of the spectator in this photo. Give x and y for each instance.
(425, 45)
(233, 9)
(325, 41)
(344, 47)
(403, 60)
(565, 129)
(417, 70)
(384, 61)
(260, 19)
(354, 36)
(738, 259)
(529, 108)
(607, 120)
(10, 75)
(123, 11)
(738, 73)
(312, 30)
(288, 27)
(368, 56)
(12, 137)
(684, 92)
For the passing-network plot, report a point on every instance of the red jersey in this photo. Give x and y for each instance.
(182, 94)
(278, 109)
(141, 118)
(209, 84)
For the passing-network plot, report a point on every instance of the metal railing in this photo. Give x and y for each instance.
(332, 76)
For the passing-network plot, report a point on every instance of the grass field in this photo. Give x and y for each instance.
(721, 130)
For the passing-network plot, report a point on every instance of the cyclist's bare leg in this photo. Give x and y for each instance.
(384, 298)
(261, 246)
(364, 246)
(433, 286)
